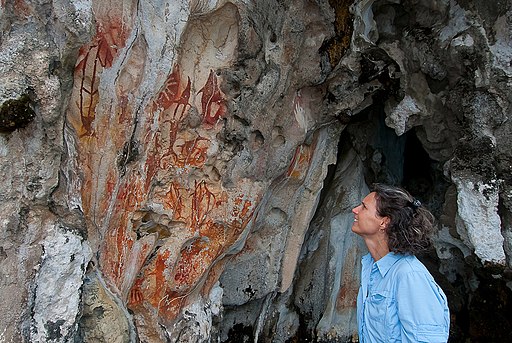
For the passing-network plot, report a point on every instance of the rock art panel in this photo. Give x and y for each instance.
(162, 217)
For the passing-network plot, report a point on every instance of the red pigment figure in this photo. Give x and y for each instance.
(191, 153)
(167, 96)
(174, 200)
(135, 297)
(99, 54)
(203, 202)
(213, 104)
(300, 161)
(170, 96)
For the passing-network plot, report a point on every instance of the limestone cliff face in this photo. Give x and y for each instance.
(184, 171)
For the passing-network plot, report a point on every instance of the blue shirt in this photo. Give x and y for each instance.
(399, 301)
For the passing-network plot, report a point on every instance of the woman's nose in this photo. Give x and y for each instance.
(354, 210)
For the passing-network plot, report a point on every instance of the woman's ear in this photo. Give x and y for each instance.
(384, 223)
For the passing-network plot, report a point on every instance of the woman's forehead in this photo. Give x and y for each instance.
(370, 199)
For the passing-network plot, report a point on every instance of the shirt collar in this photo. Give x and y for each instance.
(385, 263)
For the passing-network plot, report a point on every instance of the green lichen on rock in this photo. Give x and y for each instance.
(16, 114)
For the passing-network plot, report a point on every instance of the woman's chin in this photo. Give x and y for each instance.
(354, 227)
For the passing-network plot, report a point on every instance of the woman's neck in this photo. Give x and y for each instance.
(377, 248)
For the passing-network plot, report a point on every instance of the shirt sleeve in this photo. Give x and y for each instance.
(422, 309)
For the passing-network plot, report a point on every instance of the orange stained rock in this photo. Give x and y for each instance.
(115, 250)
(152, 165)
(349, 286)
(110, 38)
(123, 111)
(227, 232)
(153, 287)
(172, 128)
(300, 162)
(170, 305)
(195, 259)
(213, 104)
(241, 208)
(150, 285)
(214, 232)
(111, 182)
(169, 123)
(182, 101)
(105, 196)
(20, 8)
(144, 252)
(159, 273)
(119, 240)
(346, 298)
(130, 195)
(232, 233)
(166, 286)
(163, 282)
(86, 186)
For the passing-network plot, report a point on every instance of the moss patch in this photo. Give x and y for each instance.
(475, 155)
(16, 114)
(343, 27)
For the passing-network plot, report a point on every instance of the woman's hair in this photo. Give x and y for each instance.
(410, 226)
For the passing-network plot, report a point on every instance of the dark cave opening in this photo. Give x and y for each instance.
(417, 168)
(423, 176)
(396, 160)
(240, 333)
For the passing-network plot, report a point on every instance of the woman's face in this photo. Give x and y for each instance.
(366, 220)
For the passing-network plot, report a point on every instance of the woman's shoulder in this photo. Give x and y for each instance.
(410, 264)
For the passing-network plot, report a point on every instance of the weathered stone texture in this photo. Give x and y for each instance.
(184, 171)
(57, 297)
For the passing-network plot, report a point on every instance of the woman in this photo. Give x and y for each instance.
(398, 300)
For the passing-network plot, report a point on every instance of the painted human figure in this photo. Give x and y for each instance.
(398, 299)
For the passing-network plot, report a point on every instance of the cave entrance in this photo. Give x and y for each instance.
(417, 167)
(392, 159)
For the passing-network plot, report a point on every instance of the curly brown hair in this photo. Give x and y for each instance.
(410, 224)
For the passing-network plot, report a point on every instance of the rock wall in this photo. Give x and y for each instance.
(183, 171)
